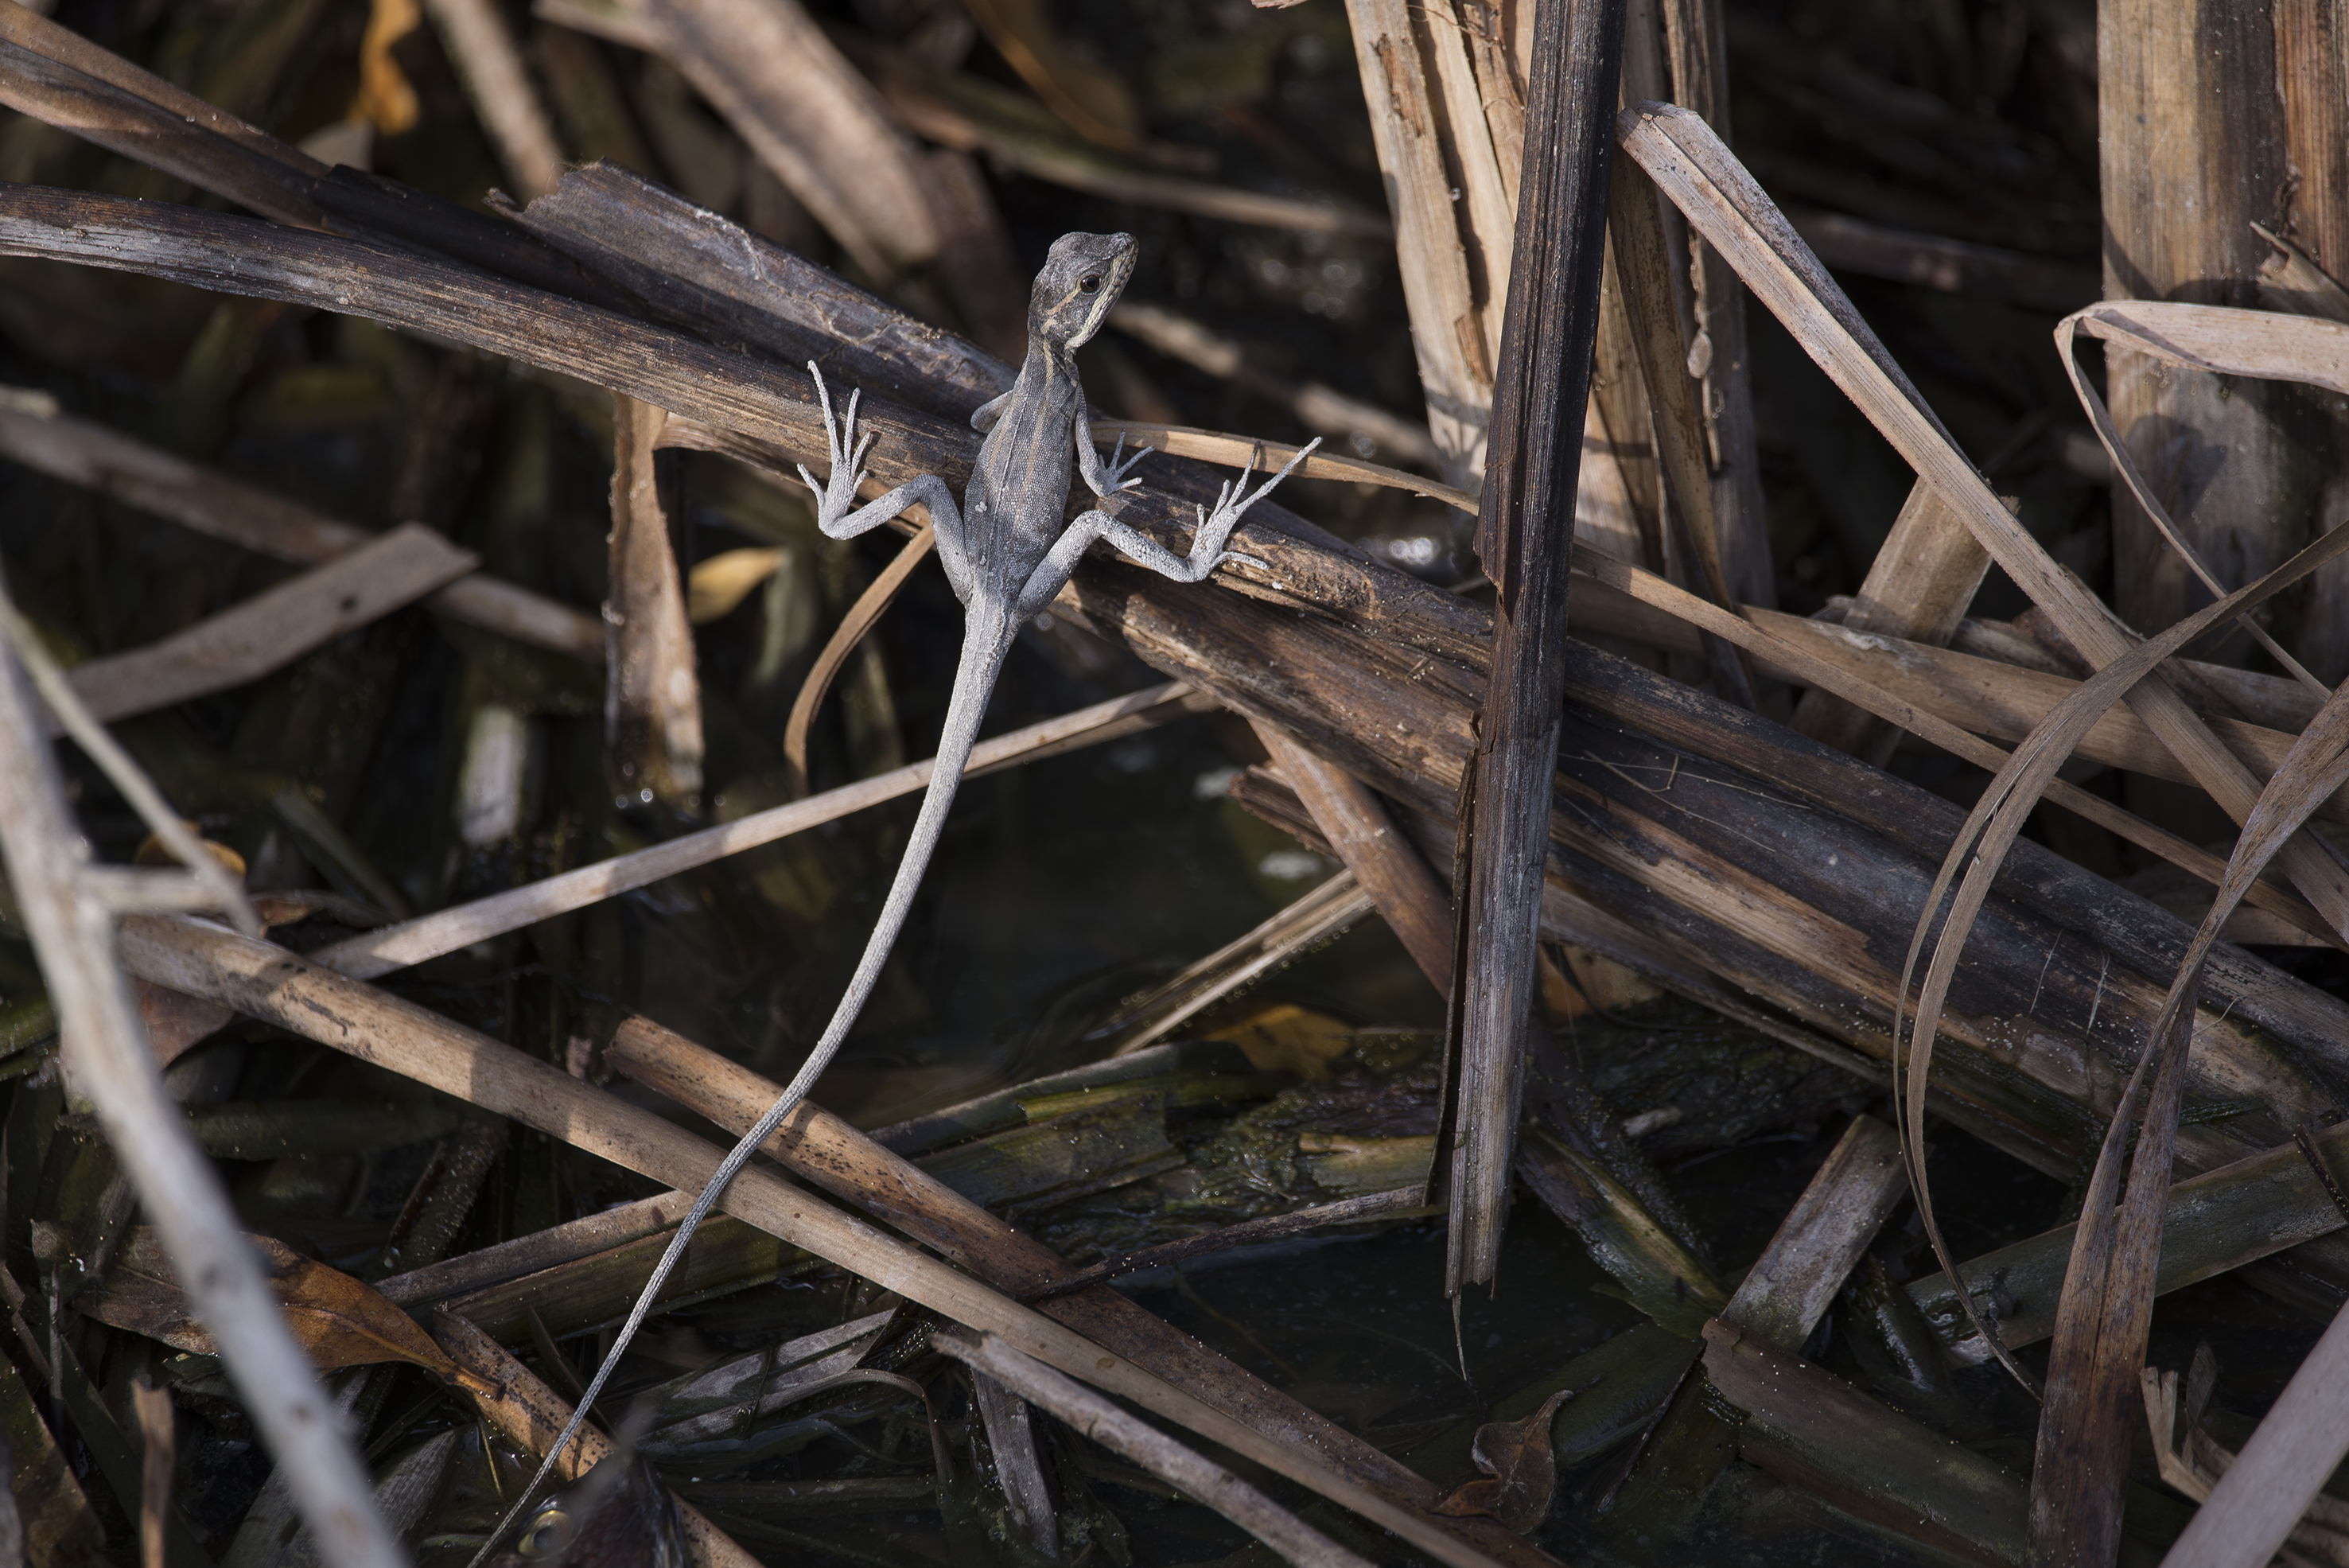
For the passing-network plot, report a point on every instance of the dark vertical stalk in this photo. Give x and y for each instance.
(1524, 534)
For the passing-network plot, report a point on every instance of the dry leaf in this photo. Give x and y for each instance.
(1287, 1038)
(385, 96)
(715, 585)
(1520, 1471)
(338, 1321)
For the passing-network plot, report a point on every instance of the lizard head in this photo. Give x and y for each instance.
(1081, 279)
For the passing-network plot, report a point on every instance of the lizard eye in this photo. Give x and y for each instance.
(1091, 284)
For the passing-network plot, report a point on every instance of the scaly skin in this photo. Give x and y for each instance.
(1006, 554)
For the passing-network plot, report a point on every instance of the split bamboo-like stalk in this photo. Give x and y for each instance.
(1525, 537)
(1448, 329)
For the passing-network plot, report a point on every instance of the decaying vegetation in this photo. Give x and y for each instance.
(1723, 941)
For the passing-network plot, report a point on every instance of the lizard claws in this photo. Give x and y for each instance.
(836, 497)
(1120, 466)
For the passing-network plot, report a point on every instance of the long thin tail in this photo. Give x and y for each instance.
(983, 649)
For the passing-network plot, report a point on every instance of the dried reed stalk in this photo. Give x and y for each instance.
(69, 909)
(272, 985)
(1525, 537)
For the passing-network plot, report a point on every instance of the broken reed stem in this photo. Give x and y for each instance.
(1161, 1455)
(104, 1050)
(428, 937)
(1524, 536)
(652, 703)
(1414, 905)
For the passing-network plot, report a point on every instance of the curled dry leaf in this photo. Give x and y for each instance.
(1520, 1470)
(337, 1320)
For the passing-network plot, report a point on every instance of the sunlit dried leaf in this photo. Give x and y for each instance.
(337, 1320)
(715, 585)
(385, 96)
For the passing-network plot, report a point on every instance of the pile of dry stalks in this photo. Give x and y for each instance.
(355, 904)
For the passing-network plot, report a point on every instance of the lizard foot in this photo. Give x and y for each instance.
(1116, 473)
(835, 498)
(1232, 501)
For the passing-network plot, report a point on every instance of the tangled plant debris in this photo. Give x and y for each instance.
(1717, 936)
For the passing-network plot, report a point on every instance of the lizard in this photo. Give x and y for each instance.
(1006, 554)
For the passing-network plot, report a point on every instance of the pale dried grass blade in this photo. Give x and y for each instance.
(428, 936)
(33, 432)
(223, 889)
(2262, 344)
(964, 113)
(275, 628)
(1981, 848)
(1323, 912)
(719, 583)
(1171, 1461)
(860, 618)
(1321, 407)
(1722, 203)
(2106, 1307)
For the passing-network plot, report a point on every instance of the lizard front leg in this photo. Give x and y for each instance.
(837, 513)
(1103, 478)
(1207, 551)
